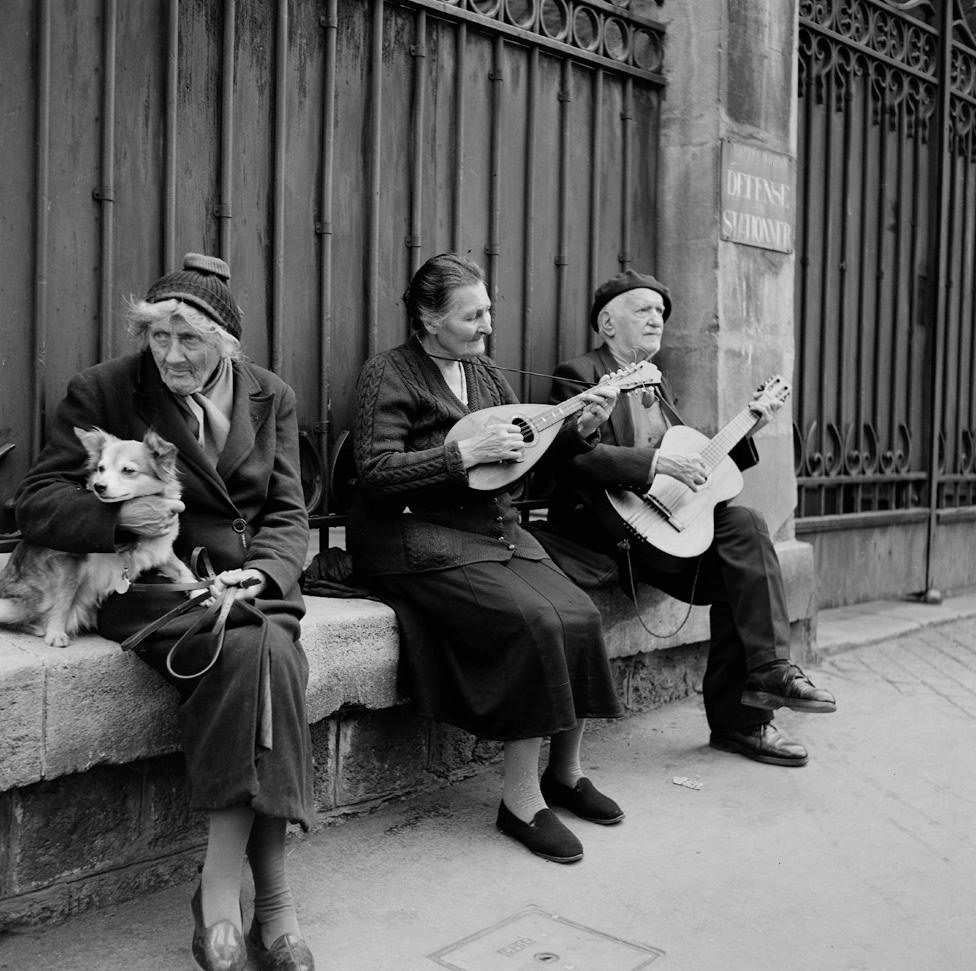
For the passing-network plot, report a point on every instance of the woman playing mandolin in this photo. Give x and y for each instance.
(496, 639)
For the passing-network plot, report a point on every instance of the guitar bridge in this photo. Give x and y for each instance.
(662, 510)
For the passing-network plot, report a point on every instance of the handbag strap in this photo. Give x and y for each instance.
(216, 613)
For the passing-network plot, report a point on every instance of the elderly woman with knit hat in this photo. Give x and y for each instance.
(243, 723)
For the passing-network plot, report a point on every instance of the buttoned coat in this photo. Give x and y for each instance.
(248, 512)
(414, 510)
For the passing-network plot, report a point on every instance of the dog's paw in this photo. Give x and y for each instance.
(57, 638)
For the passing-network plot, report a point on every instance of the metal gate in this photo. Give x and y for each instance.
(885, 430)
(324, 149)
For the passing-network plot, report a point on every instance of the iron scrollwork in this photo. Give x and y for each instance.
(617, 32)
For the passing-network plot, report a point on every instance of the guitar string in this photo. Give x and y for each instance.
(532, 424)
(515, 370)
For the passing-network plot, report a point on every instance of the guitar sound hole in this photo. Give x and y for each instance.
(528, 433)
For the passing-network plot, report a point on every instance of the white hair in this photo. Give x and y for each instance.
(142, 315)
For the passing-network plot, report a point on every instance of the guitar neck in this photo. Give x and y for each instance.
(728, 438)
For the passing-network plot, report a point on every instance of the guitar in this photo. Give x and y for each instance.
(539, 425)
(674, 518)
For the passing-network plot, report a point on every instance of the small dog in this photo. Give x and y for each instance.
(54, 594)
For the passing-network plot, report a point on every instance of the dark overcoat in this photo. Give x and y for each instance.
(248, 512)
(579, 506)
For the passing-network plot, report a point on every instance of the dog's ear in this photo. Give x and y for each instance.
(163, 452)
(93, 440)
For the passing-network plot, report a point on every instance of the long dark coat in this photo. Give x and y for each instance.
(248, 512)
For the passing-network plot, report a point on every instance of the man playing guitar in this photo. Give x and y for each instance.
(749, 673)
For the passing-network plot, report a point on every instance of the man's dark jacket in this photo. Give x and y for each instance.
(578, 505)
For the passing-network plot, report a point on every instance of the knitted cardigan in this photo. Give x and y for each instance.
(413, 510)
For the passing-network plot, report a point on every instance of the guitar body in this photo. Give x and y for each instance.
(687, 529)
(490, 476)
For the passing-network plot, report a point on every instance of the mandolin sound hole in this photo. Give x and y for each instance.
(528, 432)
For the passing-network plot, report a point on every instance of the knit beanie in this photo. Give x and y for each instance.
(202, 283)
(621, 283)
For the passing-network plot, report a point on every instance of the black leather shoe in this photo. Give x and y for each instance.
(786, 686)
(219, 947)
(545, 835)
(583, 800)
(287, 953)
(762, 743)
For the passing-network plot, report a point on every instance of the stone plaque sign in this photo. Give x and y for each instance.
(758, 197)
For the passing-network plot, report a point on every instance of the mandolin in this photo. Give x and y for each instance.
(674, 518)
(539, 425)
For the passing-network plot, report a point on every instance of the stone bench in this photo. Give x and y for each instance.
(91, 804)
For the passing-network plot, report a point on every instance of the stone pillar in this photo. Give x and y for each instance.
(731, 76)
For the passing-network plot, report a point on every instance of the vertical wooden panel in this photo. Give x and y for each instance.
(74, 171)
(171, 101)
(199, 131)
(350, 215)
(104, 192)
(415, 238)
(247, 175)
(374, 201)
(394, 256)
(280, 128)
(225, 204)
(25, 54)
(144, 210)
(305, 298)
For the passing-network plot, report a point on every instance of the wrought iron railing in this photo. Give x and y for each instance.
(885, 302)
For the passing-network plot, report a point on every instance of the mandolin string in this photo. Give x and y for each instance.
(515, 370)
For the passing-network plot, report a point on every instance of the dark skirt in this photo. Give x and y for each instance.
(243, 724)
(503, 650)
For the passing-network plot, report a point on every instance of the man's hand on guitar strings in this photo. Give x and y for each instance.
(688, 469)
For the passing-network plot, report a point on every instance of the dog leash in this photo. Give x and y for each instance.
(216, 613)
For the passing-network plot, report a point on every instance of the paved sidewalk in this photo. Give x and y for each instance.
(864, 859)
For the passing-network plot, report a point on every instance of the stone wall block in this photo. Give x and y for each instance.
(51, 905)
(21, 713)
(325, 735)
(8, 842)
(358, 640)
(129, 711)
(76, 823)
(142, 877)
(380, 754)
(664, 676)
(624, 634)
(167, 824)
(451, 749)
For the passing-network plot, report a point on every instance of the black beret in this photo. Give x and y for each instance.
(621, 283)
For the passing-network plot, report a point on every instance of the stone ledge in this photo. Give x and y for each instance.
(64, 710)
